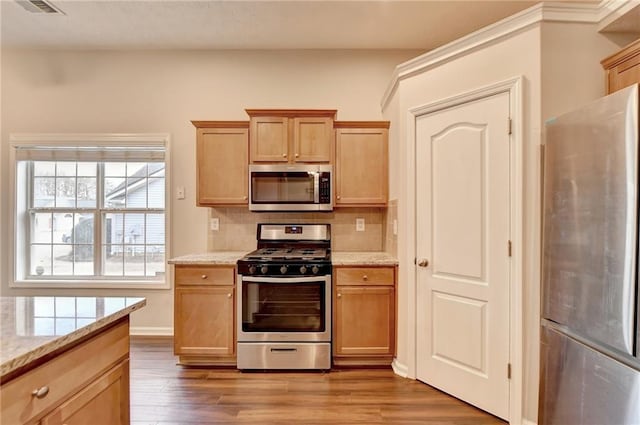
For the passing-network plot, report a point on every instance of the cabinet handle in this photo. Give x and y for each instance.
(297, 155)
(339, 295)
(228, 295)
(365, 277)
(41, 392)
(284, 155)
(204, 276)
(338, 196)
(244, 197)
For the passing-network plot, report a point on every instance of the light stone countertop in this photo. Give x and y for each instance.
(210, 258)
(369, 258)
(33, 327)
(338, 258)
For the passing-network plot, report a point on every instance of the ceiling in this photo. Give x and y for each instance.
(239, 24)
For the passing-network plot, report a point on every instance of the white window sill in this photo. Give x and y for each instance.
(90, 284)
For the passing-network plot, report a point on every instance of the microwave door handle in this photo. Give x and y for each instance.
(316, 188)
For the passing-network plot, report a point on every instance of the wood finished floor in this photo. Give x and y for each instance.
(163, 393)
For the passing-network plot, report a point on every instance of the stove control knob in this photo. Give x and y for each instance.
(252, 269)
(315, 269)
(264, 269)
(303, 270)
(283, 269)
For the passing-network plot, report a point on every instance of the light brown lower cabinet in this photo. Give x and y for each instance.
(88, 384)
(104, 401)
(204, 315)
(364, 318)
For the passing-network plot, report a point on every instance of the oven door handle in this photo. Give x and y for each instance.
(309, 279)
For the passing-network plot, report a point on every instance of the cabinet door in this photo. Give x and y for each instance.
(312, 139)
(104, 401)
(204, 320)
(361, 167)
(364, 321)
(222, 166)
(269, 139)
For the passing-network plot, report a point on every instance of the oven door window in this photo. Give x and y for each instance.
(283, 307)
(282, 188)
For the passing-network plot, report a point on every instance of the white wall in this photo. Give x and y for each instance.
(160, 92)
(559, 63)
(518, 55)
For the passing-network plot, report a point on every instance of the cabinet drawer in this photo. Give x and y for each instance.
(63, 375)
(204, 275)
(364, 276)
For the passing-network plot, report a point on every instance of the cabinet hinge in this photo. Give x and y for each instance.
(509, 125)
(508, 370)
(509, 248)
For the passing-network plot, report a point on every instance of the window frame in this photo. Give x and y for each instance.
(20, 221)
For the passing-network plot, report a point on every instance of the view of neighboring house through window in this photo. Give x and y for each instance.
(101, 219)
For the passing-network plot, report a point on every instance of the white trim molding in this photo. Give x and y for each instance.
(541, 12)
(400, 369)
(528, 422)
(514, 87)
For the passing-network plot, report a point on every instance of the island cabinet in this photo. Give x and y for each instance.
(361, 166)
(622, 69)
(222, 158)
(291, 136)
(364, 319)
(204, 314)
(86, 384)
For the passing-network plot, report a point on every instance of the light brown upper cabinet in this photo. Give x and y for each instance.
(623, 68)
(222, 158)
(361, 166)
(291, 135)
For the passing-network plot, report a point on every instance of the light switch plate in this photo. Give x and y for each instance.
(359, 224)
(180, 192)
(215, 223)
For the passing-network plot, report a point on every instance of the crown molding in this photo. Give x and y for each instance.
(541, 12)
(615, 10)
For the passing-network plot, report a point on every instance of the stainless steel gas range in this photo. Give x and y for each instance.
(284, 299)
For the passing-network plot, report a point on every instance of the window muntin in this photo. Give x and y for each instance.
(103, 219)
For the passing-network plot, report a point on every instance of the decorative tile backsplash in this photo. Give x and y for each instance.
(237, 228)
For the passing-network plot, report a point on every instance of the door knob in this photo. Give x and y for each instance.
(423, 262)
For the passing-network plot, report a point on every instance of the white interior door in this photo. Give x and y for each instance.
(462, 224)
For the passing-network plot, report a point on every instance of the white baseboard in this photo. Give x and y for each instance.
(399, 368)
(528, 422)
(150, 331)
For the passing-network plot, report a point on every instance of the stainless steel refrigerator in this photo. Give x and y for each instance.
(590, 330)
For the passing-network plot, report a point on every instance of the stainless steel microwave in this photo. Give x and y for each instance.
(290, 187)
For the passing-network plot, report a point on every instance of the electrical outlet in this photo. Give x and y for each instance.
(180, 192)
(359, 224)
(215, 223)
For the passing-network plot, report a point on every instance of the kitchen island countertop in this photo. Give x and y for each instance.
(33, 328)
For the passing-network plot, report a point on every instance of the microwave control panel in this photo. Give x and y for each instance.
(325, 188)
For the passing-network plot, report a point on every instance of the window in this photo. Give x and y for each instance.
(91, 212)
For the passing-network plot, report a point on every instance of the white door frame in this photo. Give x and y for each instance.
(512, 86)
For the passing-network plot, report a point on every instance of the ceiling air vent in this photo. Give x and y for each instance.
(39, 6)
